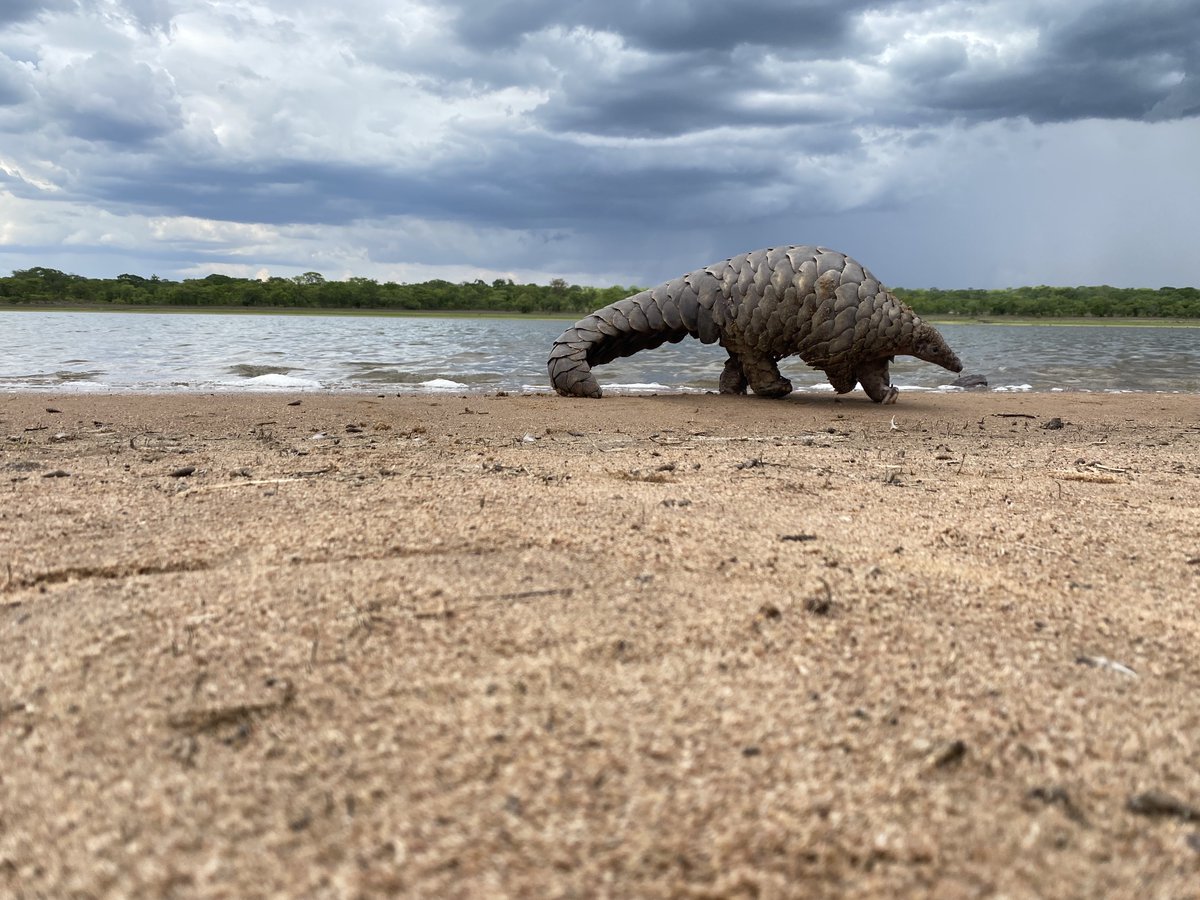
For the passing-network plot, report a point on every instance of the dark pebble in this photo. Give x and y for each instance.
(818, 606)
(951, 754)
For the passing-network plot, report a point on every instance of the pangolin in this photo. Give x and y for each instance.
(811, 302)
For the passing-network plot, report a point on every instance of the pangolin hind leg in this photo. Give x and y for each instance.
(763, 374)
(876, 381)
(733, 378)
(843, 380)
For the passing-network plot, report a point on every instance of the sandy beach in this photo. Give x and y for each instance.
(682, 646)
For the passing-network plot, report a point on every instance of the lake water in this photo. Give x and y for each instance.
(132, 352)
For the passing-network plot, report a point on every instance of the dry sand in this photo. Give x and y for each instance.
(527, 646)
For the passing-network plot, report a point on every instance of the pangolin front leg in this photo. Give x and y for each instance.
(875, 380)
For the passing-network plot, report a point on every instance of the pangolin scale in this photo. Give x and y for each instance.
(811, 302)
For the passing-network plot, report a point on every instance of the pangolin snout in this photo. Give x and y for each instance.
(929, 345)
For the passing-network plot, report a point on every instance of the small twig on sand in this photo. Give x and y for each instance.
(1040, 549)
(236, 484)
(196, 721)
(298, 476)
(1158, 804)
(1087, 476)
(528, 595)
(1101, 662)
(447, 612)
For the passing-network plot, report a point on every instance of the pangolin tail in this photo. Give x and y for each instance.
(667, 313)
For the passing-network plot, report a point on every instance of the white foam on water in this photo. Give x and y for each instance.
(277, 382)
(441, 384)
(651, 387)
(1013, 388)
(79, 387)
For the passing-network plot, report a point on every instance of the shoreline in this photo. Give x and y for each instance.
(304, 643)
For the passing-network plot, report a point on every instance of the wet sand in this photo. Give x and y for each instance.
(691, 646)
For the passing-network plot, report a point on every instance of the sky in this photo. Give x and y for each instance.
(942, 144)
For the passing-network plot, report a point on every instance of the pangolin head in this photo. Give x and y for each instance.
(929, 345)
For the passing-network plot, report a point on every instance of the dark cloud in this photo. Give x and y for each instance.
(1183, 101)
(542, 183)
(1111, 61)
(22, 10)
(1056, 92)
(1155, 45)
(104, 98)
(660, 101)
(671, 26)
(1117, 29)
(152, 14)
(674, 94)
(148, 15)
(701, 64)
(691, 65)
(14, 83)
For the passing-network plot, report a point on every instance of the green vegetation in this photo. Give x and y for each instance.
(310, 291)
(41, 287)
(1058, 302)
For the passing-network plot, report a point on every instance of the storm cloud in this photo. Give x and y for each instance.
(951, 143)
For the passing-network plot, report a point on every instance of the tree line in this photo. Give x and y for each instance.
(1058, 302)
(45, 287)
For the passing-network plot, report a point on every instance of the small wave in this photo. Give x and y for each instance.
(249, 370)
(1013, 388)
(280, 382)
(398, 376)
(651, 387)
(75, 377)
(52, 379)
(82, 387)
(819, 387)
(434, 384)
(388, 376)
